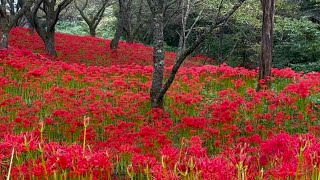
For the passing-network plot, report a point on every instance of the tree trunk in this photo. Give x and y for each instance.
(265, 65)
(220, 48)
(92, 32)
(124, 24)
(50, 44)
(8, 21)
(157, 89)
(128, 23)
(4, 22)
(115, 41)
(158, 61)
(130, 37)
(4, 42)
(120, 27)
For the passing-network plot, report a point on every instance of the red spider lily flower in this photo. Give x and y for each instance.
(140, 162)
(195, 122)
(160, 173)
(216, 168)
(196, 149)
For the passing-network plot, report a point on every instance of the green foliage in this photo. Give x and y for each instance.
(105, 29)
(250, 14)
(309, 67)
(69, 27)
(238, 49)
(296, 41)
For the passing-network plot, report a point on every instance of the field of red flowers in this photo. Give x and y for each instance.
(87, 116)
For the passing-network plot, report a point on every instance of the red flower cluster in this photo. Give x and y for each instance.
(66, 119)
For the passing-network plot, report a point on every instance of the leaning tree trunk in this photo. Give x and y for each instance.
(265, 65)
(158, 61)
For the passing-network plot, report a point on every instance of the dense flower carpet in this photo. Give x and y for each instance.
(87, 115)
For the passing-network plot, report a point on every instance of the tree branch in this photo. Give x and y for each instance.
(81, 11)
(57, 12)
(19, 14)
(180, 59)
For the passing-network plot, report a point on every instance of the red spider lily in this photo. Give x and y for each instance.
(214, 125)
(195, 122)
(141, 162)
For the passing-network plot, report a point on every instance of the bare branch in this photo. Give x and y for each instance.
(83, 6)
(231, 52)
(93, 21)
(19, 13)
(194, 23)
(81, 11)
(180, 59)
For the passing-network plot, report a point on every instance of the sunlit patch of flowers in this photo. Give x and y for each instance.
(65, 119)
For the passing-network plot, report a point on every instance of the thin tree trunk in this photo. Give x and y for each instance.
(182, 38)
(266, 44)
(181, 46)
(220, 49)
(158, 61)
(158, 90)
(180, 59)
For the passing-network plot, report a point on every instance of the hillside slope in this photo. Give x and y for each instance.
(65, 120)
(93, 51)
